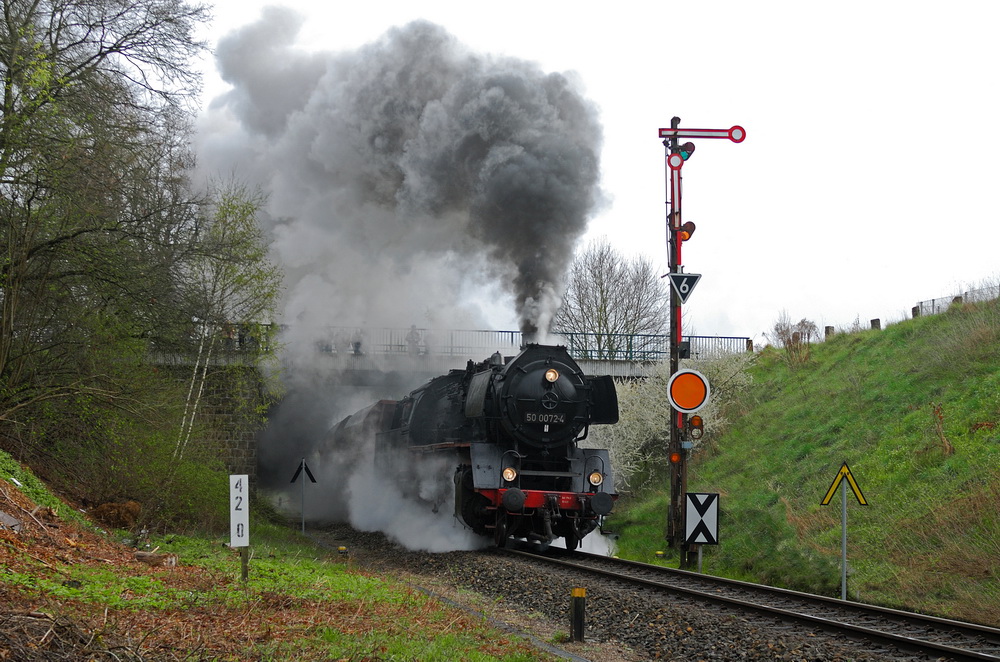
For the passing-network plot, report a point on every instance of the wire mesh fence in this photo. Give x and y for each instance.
(940, 305)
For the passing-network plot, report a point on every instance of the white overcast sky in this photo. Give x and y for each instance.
(869, 175)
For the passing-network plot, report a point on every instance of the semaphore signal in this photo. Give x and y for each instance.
(687, 392)
(735, 133)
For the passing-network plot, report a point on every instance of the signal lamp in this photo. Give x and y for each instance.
(596, 478)
(675, 457)
(551, 375)
(696, 427)
(686, 150)
(686, 231)
(509, 474)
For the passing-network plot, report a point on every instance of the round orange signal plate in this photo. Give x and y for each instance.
(688, 391)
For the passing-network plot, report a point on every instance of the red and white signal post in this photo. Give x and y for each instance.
(678, 232)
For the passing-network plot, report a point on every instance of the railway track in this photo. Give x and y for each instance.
(916, 633)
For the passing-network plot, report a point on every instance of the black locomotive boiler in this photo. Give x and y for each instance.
(506, 433)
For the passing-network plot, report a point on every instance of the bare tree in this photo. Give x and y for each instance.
(616, 301)
(638, 442)
(796, 339)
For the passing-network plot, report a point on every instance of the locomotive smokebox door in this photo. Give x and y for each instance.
(543, 398)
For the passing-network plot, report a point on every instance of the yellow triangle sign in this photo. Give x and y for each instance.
(845, 472)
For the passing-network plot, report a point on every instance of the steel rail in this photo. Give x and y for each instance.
(980, 642)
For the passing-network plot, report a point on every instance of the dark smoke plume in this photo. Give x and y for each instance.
(411, 182)
(408, 178)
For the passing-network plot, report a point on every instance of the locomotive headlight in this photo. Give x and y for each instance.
(596, 478)
(551, 375)
(509, 474)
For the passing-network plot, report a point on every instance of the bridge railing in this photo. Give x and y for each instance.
(478, 344)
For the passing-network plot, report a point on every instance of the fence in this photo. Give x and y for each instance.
(471, 344)
(935, 306)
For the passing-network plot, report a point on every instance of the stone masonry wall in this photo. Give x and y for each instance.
(229, 402)
(225, 415)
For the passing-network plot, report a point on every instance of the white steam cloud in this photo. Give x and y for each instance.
(383, 506)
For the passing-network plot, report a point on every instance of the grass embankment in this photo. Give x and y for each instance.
(70, 592)
(915, 412)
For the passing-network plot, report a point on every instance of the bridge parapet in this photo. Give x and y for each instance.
(479, 344)
(435, 351)
(438, 350)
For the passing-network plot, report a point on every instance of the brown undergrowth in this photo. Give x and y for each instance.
(35, 625)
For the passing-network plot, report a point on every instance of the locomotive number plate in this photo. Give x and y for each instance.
(540, 417)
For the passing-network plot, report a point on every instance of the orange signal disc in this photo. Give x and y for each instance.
(688, 391)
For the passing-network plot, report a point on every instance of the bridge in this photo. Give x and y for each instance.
(434, 350)
(375, 363)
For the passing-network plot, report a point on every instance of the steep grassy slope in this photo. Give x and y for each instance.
(915, 411)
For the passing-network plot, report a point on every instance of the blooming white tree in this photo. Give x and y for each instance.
(638, 442)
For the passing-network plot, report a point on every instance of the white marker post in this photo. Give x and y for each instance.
(239, 518)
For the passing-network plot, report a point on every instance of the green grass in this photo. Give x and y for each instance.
(915, 411)
(325, 608)
(299, 602)
(28, 484)
(645, 523)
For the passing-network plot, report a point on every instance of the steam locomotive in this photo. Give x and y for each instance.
(507, 432)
